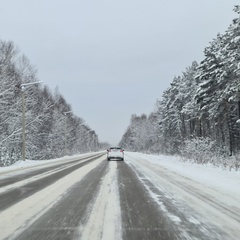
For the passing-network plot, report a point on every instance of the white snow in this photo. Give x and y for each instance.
(15, 219)
(22, 166)
(167, 173)
(236, 39)
(37, 177)
(212, 192)
(225, 181)
(105, 217)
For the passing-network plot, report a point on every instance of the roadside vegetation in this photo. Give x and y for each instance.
(198, 116)
(49, 132)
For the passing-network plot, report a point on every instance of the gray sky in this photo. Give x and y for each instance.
(112, 58)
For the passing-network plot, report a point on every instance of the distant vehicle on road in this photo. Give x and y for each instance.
(115, 153)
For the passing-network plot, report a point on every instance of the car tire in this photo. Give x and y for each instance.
(108, 159)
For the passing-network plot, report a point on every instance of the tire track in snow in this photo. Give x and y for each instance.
(13, 196)
(62, 221)
(194, 196)
(17, 218)
(140, 214)
(105, 218)
(13, 183)
(15, 176)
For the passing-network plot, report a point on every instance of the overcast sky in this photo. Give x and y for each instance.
(112, 58)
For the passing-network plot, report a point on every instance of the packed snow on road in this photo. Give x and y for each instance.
(203, 196)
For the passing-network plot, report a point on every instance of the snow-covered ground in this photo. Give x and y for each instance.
(225, 181)
(212, 192)
(15, 219)
(215, 177)
(166, 173)
(22, 166)
(105, 216)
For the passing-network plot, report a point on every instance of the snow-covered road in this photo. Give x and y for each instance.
(144, 197)
(202, 195)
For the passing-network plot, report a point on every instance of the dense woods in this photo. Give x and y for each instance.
(52, 129)
(198, 116)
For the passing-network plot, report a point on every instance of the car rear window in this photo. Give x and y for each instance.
(115, 148)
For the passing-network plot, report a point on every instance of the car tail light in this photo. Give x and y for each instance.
(121, 150)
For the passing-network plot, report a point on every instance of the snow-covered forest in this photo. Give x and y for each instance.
(52, 129)
(198, 116)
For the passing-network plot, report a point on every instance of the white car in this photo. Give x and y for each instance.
(115, 153)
